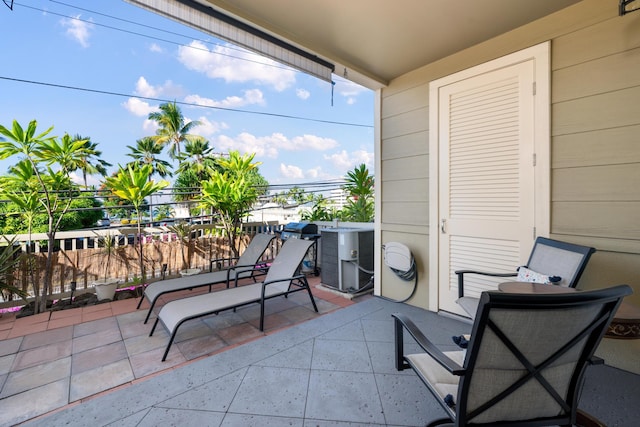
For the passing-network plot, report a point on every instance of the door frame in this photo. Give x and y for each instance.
(540, 54)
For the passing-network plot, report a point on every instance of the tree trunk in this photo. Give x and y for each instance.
(48, 274)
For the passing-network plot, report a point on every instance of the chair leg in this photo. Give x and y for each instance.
(441, 422)
(399, 340)
(140, 302)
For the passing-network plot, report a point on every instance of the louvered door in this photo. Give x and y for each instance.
(486, 178)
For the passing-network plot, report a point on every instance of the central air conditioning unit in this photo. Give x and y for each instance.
(346, 256)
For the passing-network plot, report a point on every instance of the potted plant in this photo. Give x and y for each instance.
(106, 287)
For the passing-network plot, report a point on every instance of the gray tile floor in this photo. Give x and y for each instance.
(335, 370)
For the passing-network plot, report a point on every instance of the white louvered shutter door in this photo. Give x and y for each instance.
(486, 178)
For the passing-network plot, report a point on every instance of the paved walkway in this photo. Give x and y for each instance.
(53, 359)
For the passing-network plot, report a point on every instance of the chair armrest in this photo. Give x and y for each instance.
(595, 360)
(403, 322)
(461, 274)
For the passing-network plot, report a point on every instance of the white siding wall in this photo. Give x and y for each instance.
(595, 195)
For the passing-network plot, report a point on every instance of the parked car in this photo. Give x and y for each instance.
(104, 222)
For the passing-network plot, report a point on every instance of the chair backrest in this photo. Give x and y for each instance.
(289, 258)
(556, 258)
(527, 355)
(256, 248)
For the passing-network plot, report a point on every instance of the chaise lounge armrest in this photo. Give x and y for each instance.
(461, 274)
(403, 322)
(287, 279)
(219, 262)
(245, 269)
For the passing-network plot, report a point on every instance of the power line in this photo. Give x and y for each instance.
(149, 36)
(189, 104)
(162, 30)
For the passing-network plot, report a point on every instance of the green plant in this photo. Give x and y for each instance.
(48, 162)
(133, 184)
(359, 185)
(8, 262)
(231, 194)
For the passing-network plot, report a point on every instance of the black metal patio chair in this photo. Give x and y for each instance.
(525, 361)
(564, 261)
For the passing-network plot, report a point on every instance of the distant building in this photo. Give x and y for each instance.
(274, 212)
(338, 198)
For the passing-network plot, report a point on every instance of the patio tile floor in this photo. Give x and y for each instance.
(51, 360)
(331, 370)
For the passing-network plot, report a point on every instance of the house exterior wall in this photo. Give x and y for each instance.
(595, 150)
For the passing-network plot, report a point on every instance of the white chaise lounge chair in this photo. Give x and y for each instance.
(279, 281)
(245, 267)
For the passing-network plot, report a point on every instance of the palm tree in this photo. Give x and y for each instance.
(90, 161)
(173, 129)
(198, 157)
(146, 152)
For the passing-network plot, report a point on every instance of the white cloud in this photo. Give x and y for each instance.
(344, 161)
(349, 89)
(291, 171)
(78, 30)
(303, 93)
(167, 89)
(143, 88)
(150, 126)
(351, 101)
(138, 107)
(314, 173)
(251, 96)
(92, 180)
(271, 145)
(208, 128)
(156, 48)
(235, 65)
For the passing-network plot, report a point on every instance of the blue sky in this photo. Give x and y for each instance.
(100, 51)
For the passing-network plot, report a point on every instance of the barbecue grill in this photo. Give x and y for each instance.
(303, 230)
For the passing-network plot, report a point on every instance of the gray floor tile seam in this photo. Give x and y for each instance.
(61, 355)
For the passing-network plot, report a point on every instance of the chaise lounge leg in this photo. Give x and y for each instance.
(262, 315)
(153, 329)
(140, 302)
(313, 301)
(166, 352)
(153, 303)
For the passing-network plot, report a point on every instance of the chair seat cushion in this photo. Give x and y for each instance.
(438, 377)
(469, 304)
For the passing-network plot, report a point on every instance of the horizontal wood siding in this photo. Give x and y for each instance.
(595, 128)
(595, 167)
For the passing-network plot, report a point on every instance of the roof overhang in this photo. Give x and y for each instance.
(370, 42)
